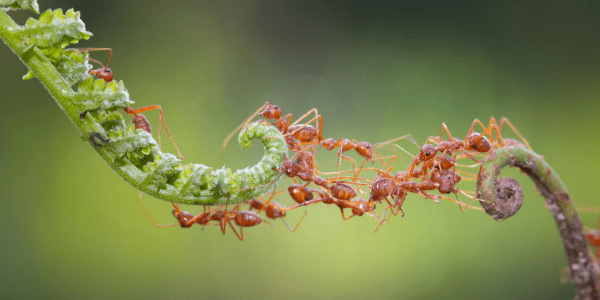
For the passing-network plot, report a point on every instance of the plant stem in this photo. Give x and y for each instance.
(252, 181)
(502, 198)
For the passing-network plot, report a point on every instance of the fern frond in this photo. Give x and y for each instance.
(21, 4)
(131, 153)
(74, 66)
(96, 94)
(55, 30)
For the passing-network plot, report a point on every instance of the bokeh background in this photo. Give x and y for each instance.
(71, 228)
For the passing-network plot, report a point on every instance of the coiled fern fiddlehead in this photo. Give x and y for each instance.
(132, 153)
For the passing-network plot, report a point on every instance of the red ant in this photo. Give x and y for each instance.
(307, 134)
(141, 122)
(303, 171)
(593, 238)
(224, 217)
(474, 141)
(504, 120)
(302, 194)
(104, 72)
(273, 112)
(274, 210)
(342, 193)
(186, 219)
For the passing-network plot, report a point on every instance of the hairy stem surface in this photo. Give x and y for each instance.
(504, 198)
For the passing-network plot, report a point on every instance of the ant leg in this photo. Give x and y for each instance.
(434, 139)
(286, 125)
(430, 196)
(476, 160)
(244, 124)
(408, 137)
(289, 227)
(314, 110)
(476, 121)
(383, 221)
(95, 61)
(383, 163)
(505, 120)
(343, 217)
(97, 49)
(461, 203)
(454, 181)
(382, 173)
(148, 214)
(495, 128)
(131, 111)
(320, 129)
(346, 158)
(447, 131)
(267, 202)
(391, 207)
(303, 125)
(241, 237)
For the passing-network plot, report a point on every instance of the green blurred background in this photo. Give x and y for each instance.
(71, 228)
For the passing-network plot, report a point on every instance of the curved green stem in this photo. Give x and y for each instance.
(159, 174)
(503, 201)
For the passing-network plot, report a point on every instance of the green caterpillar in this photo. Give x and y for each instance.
(132, 153)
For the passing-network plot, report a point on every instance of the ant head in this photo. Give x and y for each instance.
(105, 73)
(427, 152)
(271, 112)
(447, 184)
(289, 168)
(479, 142)
(365, 150)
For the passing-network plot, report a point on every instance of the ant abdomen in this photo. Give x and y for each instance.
(141, 123)
(342, 191)
(365, 150)
(247, 218)
(274, 210)
(479, 143)
(299, 193)
(304, 134)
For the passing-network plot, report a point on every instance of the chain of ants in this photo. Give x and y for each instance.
(433, 168)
